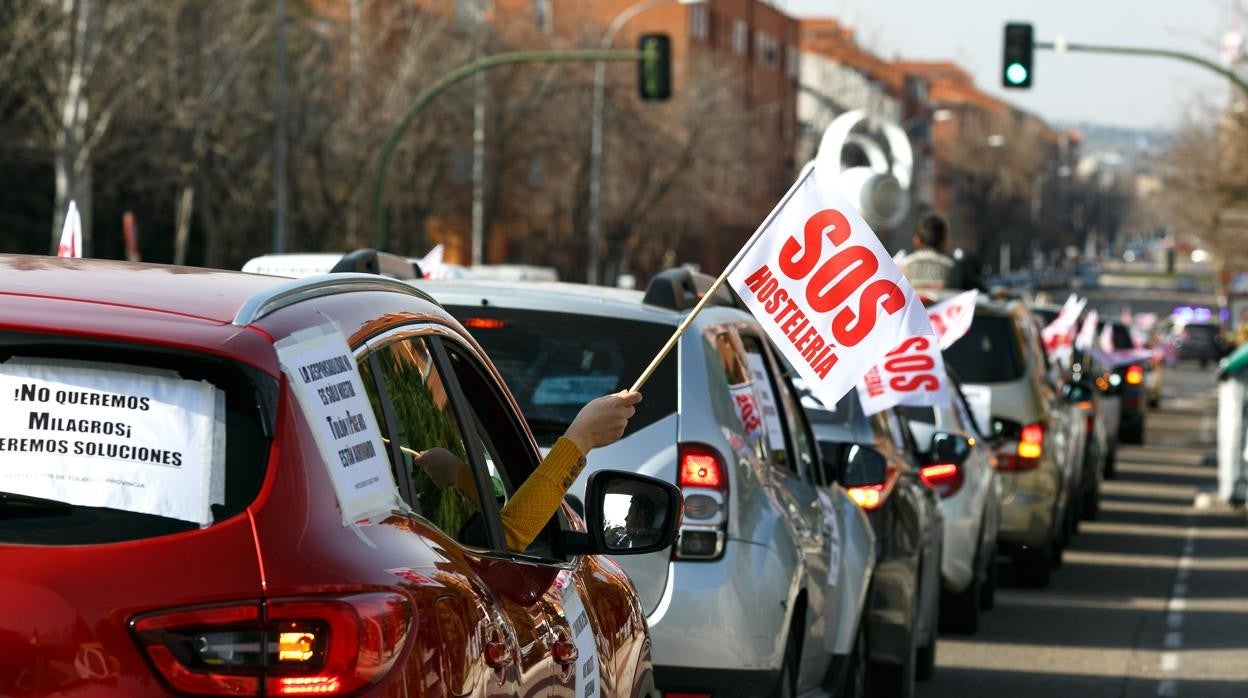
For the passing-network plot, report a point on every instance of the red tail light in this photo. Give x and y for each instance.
(485, 323)
(1089, 410)
(1135, 374)
(1025, 454)
(306, 646)
(700, 466)
(945, 478)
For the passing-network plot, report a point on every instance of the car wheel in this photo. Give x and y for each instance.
(1092, 505)
(988, 594)
(892, 679)
(1033, 566)
(854, 683)
(1111, 463)
(786, 687)
(959, 613)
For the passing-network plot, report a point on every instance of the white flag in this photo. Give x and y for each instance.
(913, 374)
(1107, 338)
(71, 234)
(1059, 335)
(951, 318)
(824, 288)
(1087, 334)
(431, 264)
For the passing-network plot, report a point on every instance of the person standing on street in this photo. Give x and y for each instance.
(928, 267)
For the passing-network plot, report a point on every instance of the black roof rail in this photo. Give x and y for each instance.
(681, 288)
(369, 261)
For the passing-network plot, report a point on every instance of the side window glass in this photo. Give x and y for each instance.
(430, 441)
(745, 404)
(509, 456)
(803, 440)
(765, 388)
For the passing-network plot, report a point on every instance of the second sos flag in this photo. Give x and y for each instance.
(824, 288)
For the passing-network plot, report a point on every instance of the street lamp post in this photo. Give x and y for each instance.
(595, 137)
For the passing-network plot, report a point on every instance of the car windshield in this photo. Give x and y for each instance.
(555, 362)
(1120, 335)
(130, 443)
(988, 353)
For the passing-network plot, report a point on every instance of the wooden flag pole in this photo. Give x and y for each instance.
(710, 292)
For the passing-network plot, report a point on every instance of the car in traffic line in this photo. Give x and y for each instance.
(957, 463)
(1032, 429)
(764, 590)
(873, 457)
(216, 487)
(1132, 370)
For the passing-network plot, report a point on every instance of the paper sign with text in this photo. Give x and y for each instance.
(913, 374)
(588, 684)
(746, 405)
(824, 288)
(327, 384)
(951, 318)
(766, 401)
(101, 435)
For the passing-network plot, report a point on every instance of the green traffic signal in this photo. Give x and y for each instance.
(1018, 49)
(655, 67)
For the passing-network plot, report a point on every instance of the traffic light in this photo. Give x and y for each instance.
(1016, 67)
(655, 72)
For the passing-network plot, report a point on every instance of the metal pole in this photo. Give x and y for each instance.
(595, 135)
(279, 146)
(1154, 52)
(450, 79)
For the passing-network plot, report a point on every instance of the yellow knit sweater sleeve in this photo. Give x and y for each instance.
(531, 506)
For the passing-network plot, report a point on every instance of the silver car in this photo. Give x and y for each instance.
(1038, 442)
(957, 463)
(764, 590)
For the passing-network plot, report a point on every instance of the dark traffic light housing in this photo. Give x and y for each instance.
(1016, 63)
(654, 78)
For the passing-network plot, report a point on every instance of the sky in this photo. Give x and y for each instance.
(1110, 90)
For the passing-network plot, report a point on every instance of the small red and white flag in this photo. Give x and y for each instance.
(913, 374)
(824, 288)
(951, 318)
(71, 234)
(1086, 340)
(431, 266)
(1059, 335)
(1107, 339)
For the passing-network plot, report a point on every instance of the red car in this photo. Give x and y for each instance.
(215, 483)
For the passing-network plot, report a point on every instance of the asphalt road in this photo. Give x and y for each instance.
(1152, 598)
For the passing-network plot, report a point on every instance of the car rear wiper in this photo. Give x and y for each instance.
(13, 505)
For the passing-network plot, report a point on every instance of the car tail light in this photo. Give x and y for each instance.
(1135, 374)
(703, 479)
(870, 496)
(700, 466)
(945, 478)
(306, 646)
(485, 323)
(1023, 451)
(1089, 411)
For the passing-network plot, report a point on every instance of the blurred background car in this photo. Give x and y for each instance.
(1131, 372)
(873, 457)
(1033, 430)
(957, 463)
(763, 593)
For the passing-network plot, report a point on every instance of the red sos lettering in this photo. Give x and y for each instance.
(855, 265)
(749, 419)
(912, 371)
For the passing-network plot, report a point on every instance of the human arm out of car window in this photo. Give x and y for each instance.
(600, 422)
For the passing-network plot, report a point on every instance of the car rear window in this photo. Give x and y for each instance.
(1120, 336)
(556, 362)
(988, 353)
(1200, 334)
(106, 442)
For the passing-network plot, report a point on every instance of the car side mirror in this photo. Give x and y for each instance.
(861, 466)
(949, 448)
(630, 514)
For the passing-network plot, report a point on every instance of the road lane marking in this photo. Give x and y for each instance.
(1174, 620)
(1174, 640)
(1168, 688)
(1169, 661)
